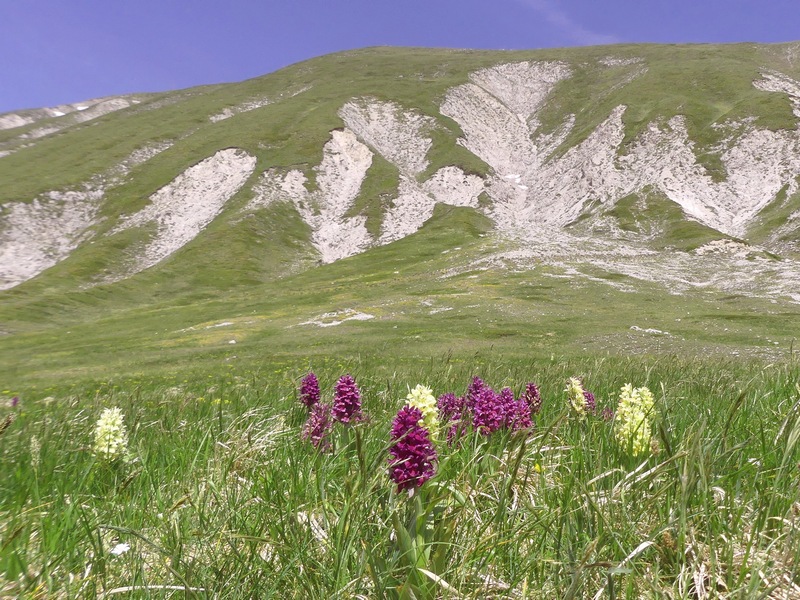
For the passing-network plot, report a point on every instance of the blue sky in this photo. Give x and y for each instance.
(58, 51)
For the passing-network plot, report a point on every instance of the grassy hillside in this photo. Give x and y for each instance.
(445, 288)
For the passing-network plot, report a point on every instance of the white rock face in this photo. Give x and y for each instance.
(415, 203)
(492, 131)
(522, 87)
(332, 319)
(184, 207)
(778, 82)
(497, 115)
(397, 135)
(531, 190)
(401, 137)
(227, 113)
(36, 235)
(535, 193)
(758, 165)
(64, 116)
(615, 61)
(339, 177)
(12, 121)
(100, 108)
(138, 157)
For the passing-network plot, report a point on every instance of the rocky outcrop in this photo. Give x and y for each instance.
(184, 207)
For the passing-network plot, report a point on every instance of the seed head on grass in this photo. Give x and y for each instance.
(347, 401)
(110, 435)
(318, 427)
(36, 450)
(309, 390)
(6, 423)
(412, 455)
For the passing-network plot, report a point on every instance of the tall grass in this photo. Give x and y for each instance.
(222, 499)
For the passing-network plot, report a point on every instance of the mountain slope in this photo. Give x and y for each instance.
(633, 169)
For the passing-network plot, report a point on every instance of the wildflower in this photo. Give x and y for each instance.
(309, 390)
(450, 406)
(533, 398)
(422, 397)
(412, 455)
(641, 397)
(575, 397)
(110, 436)
(14, 401)
(474, 390)
(488, 413)
(607, 414)
(519, 416)
(120, 549)
(451, 410)
(318, 427)
(632, 431)
(347, 400)
(589, 401)
(632, 423)
(506, 400)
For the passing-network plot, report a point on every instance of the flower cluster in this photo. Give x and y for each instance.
(309, 390)
(519, 414)
(591, 404)
(452, 410)
(318, 427)
(473, 391)
(492, 411)
(422, 398)
(580, 401)
(488, 411)
(346, 409)
(575, 397)
(632, 420)
(412, 454)
(347, 401)
(450, 406)
(110, 435)
(533, 397)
